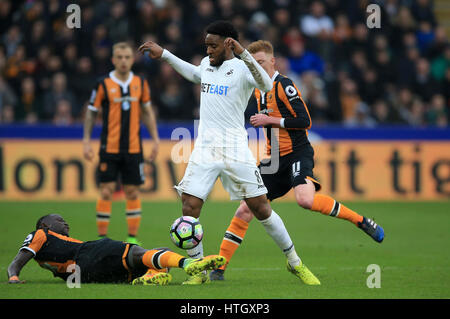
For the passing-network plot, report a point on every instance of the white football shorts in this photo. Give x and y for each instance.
(236, 168)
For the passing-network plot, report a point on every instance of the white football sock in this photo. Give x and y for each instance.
(196, 252)
(275, 228)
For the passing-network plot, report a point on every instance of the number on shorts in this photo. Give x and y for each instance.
(258, 177)
(296, 169)
(141, 171)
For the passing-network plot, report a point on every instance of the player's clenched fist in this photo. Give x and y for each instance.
(234, 45)
(153, 49)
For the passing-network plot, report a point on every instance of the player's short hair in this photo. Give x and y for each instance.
(223, 28)
(40, 220)
(122, 45)
(260, 45)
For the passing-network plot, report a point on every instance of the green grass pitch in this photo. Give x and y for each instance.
(414, 258)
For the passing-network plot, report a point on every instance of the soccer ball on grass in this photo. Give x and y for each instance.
(186, 232)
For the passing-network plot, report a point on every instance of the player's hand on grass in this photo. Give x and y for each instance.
(234, 45)
(88, 152)
(153, 49)
(260, 120)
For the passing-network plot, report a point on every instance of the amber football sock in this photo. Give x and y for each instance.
(133, 215)
(328, 206)
(233, 238)
(103, 209)
(160, 259)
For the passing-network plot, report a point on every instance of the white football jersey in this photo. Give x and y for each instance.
(225, 91)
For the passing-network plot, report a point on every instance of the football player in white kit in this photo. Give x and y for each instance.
(221, 148)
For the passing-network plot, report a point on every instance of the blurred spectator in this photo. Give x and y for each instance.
(117, 22)
(63, 113)
(6, 14)
(416, 115)
(383, 114)
(283, 67)
(446, 90)
(425, 36)
(69, 62)
(12, 39)
(258, 26)
(301, 60)
(248, 7)
(317, 23)
(436, 114)
(439, 44)
(312, 89)
(406, 66)
(425, 85)
(202, 14)
(319, 28)
(345, 71)
(172, 103)
(37, 37)
(7, 114)
(384, 67)
(370, 86)
(226, 9)
(402, 23)
(360, 39)
(57, 92)
(82, 82)
(440, 64)
(29, 101)
(422, 11)
(349, 99)
(7, 94)
(361, 117)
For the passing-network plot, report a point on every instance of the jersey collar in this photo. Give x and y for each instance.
(123, 85)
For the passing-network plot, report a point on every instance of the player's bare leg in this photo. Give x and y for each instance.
(103, 207)
(133, 212)
(192, 205)
(306, 197)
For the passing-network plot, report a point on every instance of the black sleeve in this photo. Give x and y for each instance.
(252, 107)
(293, 102)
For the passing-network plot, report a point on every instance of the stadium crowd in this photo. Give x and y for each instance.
(347, 72)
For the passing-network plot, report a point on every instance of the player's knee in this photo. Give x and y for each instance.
(244, 213)
(106, 193)
(131, 193)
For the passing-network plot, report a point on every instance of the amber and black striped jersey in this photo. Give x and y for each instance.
(120, 103)
(52, 251)
(285, 101)
(103, 260)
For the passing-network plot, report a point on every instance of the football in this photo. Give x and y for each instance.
(186, 232)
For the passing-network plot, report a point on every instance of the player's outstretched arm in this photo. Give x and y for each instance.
(189, 71)
(262, 79)
(21, 259)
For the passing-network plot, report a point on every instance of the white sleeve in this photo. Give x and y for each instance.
(259, 77)
(189, 71)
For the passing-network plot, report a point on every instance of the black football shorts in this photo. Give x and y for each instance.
(130, 168)
(293, 169)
